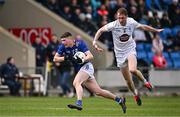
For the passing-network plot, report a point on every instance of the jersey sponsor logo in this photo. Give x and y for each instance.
(124, 37)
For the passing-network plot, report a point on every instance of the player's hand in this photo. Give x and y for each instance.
(96, 47)
(78, 60)
(57, 64)
(159, 30)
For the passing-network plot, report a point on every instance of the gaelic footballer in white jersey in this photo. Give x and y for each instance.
(124, 43)
(124, 48)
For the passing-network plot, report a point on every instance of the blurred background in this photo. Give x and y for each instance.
(30, 31)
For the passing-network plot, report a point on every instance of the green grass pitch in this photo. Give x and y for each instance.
(92, 107)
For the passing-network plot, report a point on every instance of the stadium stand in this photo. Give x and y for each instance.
(104, 11)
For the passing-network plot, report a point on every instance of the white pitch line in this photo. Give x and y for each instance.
(91, 115)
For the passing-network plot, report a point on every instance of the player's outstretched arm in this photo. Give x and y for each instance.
(97, 35)
(149, 28)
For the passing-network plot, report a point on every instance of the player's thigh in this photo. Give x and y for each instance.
(132, 62)
(80, 77)
(92, 85)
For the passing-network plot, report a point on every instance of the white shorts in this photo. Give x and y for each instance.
(121, 58)
(89, 69)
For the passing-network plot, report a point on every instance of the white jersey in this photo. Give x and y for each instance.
(122, 38)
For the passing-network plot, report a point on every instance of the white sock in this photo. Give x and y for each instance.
(145, 81)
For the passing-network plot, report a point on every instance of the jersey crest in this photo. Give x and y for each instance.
(124, 37)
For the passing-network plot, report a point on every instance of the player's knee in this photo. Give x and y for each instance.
(75, 84)
(98, 92)
(133, 71)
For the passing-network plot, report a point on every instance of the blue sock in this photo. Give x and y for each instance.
(79, 102)
(118, 100)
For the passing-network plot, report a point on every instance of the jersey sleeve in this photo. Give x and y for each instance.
(83, 47)
(110, 26)
(60, 49)
(135, 23)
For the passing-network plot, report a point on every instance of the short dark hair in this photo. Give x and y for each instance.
(122, 11)
(66, 34)
(9, 59)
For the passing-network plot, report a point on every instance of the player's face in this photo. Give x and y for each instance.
(122, 18)
(67, 41)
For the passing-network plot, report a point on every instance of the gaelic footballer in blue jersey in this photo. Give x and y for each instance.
(84, 70)
(68, 52)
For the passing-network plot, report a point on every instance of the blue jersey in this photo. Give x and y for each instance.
(80, 45)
